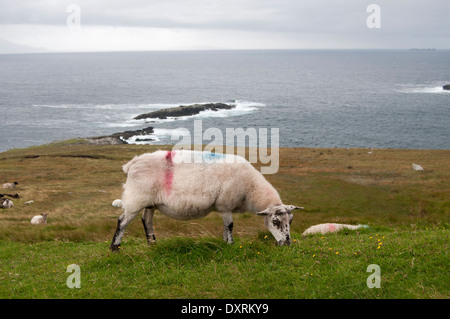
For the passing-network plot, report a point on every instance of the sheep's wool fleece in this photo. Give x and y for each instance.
(330, 228)
(38, 219)
(190, 183)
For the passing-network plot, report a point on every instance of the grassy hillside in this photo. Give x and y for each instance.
(408, 212)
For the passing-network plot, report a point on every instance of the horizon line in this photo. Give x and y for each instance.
(224, 49)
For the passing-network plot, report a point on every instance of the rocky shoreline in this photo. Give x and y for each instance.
(184, 110)
(120, 138)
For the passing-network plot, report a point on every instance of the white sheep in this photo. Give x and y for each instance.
(6, 203)
(330, 228)
(39, 219)
(187, 184)
(10, 185)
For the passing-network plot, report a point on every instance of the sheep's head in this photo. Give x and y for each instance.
(278, 221)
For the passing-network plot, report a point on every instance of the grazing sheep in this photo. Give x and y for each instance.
(39, 219)
(330, 228)
(187, 184)
(10, 185)
(6, 203)
(117, 203)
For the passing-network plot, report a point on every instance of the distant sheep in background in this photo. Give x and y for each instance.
(39, 219)
(330, 228)
(117, 203)
(6, 203)
(10, 185)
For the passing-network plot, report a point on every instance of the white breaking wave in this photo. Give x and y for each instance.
(424, 89)
(158, 134)
(142, 139)
(121, 124)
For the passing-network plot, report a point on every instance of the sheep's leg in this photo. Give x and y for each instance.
(122, 224)
(228, 227)
(147, 221)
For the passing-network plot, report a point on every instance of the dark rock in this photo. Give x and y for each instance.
(446, 87)
(127, 134)
(119, 138)
(185, 110)
(144, 139)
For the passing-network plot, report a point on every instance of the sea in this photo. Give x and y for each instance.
(310, 98)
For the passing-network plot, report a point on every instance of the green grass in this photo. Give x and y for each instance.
(413, 265)
(407, 211)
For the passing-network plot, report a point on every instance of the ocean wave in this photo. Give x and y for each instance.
(158, 135)
(424, 89)
(119, 124)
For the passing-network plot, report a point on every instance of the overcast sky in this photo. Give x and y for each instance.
(116, 25)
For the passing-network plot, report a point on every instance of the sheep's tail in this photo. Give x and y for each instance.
(128, 165)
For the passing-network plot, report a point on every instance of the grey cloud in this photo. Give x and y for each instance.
(264, 15)
(346, 19)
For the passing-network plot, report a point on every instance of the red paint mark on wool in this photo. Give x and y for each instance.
(331, 227)
(168, 177)
(169, 156)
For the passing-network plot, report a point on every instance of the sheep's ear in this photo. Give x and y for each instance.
(292, 207)
(264, 212)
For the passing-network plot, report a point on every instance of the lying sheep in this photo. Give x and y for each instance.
(10, 185)
(6, 203)
(187, 184)
(330, 228)
(39, 219)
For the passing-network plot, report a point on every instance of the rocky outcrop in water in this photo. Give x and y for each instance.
(119, 138)
(446, 87)
(185, 110)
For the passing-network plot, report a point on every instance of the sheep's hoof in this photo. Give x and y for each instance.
(114, 248)
(151, 239)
